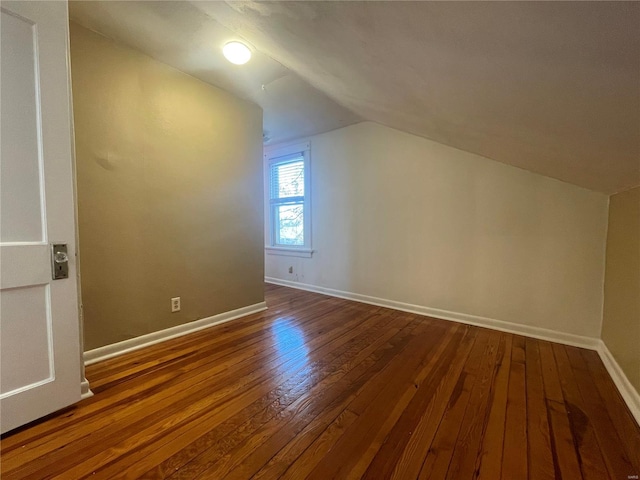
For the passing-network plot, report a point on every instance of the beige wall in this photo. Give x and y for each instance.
(402, 218)
(169, 192)
(621, 324)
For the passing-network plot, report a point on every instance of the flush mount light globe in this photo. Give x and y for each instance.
(237, 53)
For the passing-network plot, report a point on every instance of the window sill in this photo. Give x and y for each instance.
(289, 252)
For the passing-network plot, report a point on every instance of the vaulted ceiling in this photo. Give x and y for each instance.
(181, 35)
(551, 87)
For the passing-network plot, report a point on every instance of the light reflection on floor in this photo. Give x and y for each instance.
(290, 343)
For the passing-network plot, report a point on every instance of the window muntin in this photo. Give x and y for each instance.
(287, 189)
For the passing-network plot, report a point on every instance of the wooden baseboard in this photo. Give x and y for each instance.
(115, 349)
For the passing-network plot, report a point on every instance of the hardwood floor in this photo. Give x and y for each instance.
(319, 387)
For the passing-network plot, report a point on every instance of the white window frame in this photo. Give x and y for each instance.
(274, 155)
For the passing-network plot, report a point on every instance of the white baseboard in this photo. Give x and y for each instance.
(628, 392)
(126, 346)
(501, 325)
(85, 391)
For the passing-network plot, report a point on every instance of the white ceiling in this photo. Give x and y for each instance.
(552, 87)
(180, 35)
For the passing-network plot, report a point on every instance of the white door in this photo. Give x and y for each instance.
(39, 339)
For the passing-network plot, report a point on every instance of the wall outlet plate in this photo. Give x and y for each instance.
(175, 304)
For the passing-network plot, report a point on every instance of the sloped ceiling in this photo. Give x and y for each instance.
(181, 35)
(551, 87)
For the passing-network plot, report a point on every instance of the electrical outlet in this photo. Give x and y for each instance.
(175, 304)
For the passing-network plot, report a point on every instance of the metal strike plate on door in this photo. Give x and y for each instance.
(59, 261)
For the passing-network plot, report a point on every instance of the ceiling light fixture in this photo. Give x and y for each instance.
(237, 53)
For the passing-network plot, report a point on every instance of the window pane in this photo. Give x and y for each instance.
(289, 224)
(287, 179)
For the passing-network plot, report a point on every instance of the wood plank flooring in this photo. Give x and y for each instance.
(319, 387)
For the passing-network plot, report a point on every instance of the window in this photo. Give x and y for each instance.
(287, 189)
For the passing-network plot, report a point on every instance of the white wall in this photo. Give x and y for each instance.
(402, 218)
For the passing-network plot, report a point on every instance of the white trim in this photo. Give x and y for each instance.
(289, 251)
(126, 346)
(85, 391)
(283, 149)
(629, 394)
(509, 327)
(273, 155)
